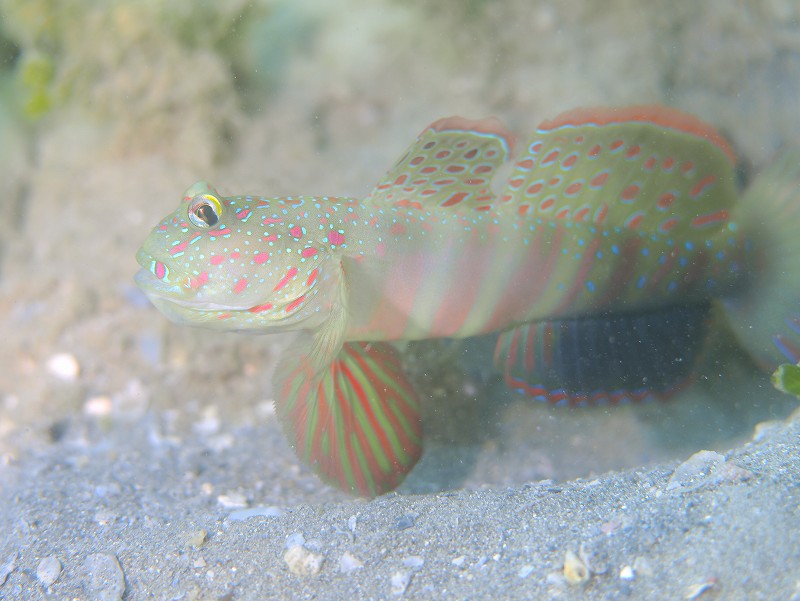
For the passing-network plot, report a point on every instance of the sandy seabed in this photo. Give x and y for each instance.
(143, 461)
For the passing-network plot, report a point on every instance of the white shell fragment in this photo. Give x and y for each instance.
(49, 570)
(64, 367)
(302, 562)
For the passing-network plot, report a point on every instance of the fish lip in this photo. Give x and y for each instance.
(158, 290)
(173, 293)
(152, 286)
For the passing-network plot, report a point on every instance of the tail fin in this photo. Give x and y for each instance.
(765, 315)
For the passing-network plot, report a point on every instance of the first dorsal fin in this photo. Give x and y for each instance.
(451, 163)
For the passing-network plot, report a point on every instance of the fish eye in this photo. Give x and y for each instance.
(205, 210)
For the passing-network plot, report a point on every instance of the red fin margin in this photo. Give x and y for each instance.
(656, 114)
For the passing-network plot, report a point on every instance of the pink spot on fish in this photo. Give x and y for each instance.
(243, 214)
(179, 248)
(599, 180)
(295, 304)
(701, 186)
(665, 200)
(633, 151)
(199, 281)
(296, 232)
(285, 279)
(550, 158)
(240, 285)
(710, 219)
(235, 255)
(261, 257)
(454, 199)
(308, 252)
(271, 220)
(668, 224)
(635, 220)
(336, 238)
(217, 259)
(160, 271)
(260, 308)
(630, 193)
(312, 277)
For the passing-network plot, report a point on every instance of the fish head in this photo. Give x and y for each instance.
(236, 263)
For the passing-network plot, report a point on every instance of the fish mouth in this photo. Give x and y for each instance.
(161, 292)
(169, 296)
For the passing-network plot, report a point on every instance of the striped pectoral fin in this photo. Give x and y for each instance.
(356, 422)
(607, 359)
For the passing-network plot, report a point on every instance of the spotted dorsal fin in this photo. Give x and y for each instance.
(451, 163)
(651, 168)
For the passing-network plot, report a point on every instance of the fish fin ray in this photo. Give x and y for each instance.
(651, 169)
(604, 359)
(356, 422)
(451, 163)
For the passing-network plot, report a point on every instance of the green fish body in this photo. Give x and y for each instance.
(596, 263)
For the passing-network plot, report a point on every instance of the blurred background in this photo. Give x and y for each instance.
(110, 109)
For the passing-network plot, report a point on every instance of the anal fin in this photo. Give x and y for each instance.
(604, 359)
(355, 422)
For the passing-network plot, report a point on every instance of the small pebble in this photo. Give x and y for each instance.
(241, 515)
(405, 522)
(104, 516)
(48, 570)
(98, 406)
(295, 539)
(400, 581)
(694, 591)
(642, 566)
(694, 470)
(232, 500)
(575, 571)
(349, 563)
(8, 566)
(459, 561)
(197, 538)
(303, 562)
(64, 367)
(525, 571)
(414, 562)
(626, 573)
(106, 579)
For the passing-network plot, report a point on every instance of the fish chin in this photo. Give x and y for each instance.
(152, 286)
